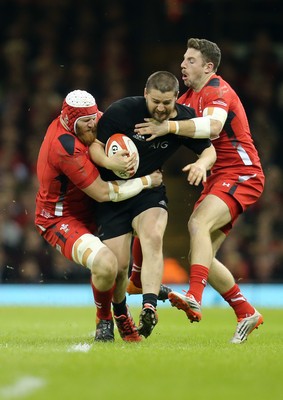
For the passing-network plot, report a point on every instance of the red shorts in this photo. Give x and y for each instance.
(64, 234)
(238, 192)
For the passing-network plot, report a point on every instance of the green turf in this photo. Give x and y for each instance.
(178, 361)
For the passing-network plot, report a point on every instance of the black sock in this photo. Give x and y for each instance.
(120, 308)
(149, 298)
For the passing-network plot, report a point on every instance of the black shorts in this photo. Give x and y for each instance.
(115, 219)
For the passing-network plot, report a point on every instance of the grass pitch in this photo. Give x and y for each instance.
(49, 353)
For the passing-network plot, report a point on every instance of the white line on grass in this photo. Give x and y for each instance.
(82, 347)
(22, 387)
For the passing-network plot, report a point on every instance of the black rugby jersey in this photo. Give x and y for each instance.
(124, 114)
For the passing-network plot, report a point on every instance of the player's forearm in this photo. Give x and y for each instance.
(119, 190)
(97, 154)
(115, 162)
(123, 190)
(197, 128)
(208, 157)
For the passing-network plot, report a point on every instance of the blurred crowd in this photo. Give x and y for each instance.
(109, 48)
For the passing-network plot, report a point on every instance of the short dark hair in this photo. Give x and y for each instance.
(163, 81)
(210, 51)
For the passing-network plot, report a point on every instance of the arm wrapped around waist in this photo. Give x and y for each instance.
(122, 190)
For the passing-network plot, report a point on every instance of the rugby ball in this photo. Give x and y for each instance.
(117, 142)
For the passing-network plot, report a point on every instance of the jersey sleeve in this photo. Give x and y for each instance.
(196, 145)
(80, 170)
(109, 123)
(73, 160)
(219, 97)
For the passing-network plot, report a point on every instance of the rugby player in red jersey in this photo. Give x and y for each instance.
(70, 186)
(235, 183)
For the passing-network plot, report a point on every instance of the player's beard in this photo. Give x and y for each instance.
(88, 137)
(160, 117)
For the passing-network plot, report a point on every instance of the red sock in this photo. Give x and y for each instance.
(103, 302)
(238, 302)
(137, 263)
(198, 280)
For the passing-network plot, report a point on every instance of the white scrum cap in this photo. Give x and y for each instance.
(77, 104)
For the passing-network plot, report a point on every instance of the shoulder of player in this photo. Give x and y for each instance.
(183, 98)
(126, 102)
(184, 112)
(216, 85)
(70, 143)
(122, 113)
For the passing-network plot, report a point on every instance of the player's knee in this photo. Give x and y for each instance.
(105, 265)
(152, 241)
(195, 225)
(123, 264)
(90, 252)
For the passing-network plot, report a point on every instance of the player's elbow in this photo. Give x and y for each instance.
(102, 195)
(98, 190)
(101, 199)
(215, 128)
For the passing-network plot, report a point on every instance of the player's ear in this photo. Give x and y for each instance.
(209, 67)
(145, 92)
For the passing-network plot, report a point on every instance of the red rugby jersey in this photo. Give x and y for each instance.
(234, 147)
(63, 169)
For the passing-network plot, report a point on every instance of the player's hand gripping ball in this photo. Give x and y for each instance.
(117, 142)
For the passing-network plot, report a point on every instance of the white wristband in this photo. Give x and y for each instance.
(177, 127)
(173, 127)
(147, 184)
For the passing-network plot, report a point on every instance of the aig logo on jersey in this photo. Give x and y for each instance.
(159, 145)
(65, 228)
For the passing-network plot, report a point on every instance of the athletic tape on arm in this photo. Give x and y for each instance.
(202, 127)
(215, 113)
(122, 190)
(173, 127)
(202, 124)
